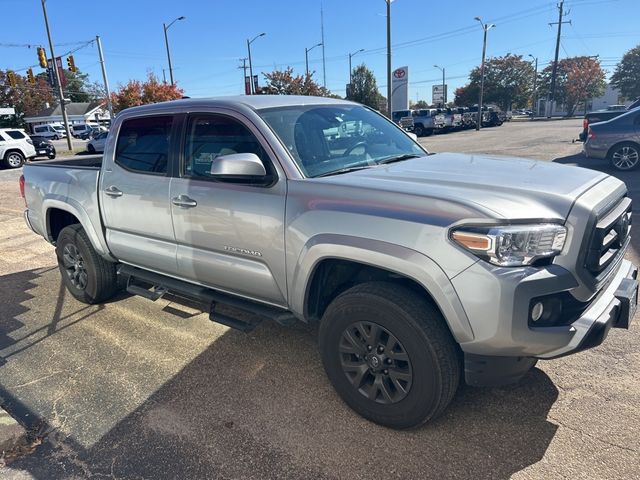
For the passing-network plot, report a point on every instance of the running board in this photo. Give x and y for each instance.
(250, 314)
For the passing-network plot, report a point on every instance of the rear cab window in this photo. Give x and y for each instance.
(143, 144)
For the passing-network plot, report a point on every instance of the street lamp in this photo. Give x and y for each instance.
(535, 84)
(485, 27)
(249, 42)
(306, 56)
(444, 89)
(351, 55)
(166, 42)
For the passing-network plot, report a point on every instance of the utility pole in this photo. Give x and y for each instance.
(554, 71)
(56, 74)
(104, 77)
(485, 27)
(535, 84)
(324, 62)
(244, 74)
(389, 106)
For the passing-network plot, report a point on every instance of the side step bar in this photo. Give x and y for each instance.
(250, 314)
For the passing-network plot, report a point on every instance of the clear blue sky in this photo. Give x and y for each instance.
(206, 45)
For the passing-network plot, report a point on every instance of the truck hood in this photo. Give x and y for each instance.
(497, 187)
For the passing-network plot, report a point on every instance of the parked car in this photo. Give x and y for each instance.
(404, 119)
(96, 144)
(452, 119)
(15, 147)
(617, 140)
(48, 131)
(468, 118)
(602, 116)
(83, 130)
(421, 270)
(43, 146)
(426, 121)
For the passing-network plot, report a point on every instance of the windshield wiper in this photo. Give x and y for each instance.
(343, 170)
(398, 158)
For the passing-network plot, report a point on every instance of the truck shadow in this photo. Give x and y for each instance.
(260, 406)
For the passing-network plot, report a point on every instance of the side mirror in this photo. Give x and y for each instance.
(238, 166)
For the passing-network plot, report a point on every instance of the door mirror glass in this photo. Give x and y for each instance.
(238, 166)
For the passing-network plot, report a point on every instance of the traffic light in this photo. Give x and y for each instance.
(11, 77)
(71, 64)
(30, 77)
(42, 57)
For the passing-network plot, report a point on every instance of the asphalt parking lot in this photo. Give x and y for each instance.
(136, 389)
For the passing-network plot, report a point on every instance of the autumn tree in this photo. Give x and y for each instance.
(364, 88)
(25, 98)
(284, 82)
(508, 81)
(136, 93)
(577, 80)
(626, 78)
(466, 95)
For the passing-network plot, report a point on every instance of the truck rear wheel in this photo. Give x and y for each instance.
(88, 277)
(389, 354)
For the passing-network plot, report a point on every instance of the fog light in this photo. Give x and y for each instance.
(537, 311)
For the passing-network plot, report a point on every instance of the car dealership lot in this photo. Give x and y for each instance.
(154, 390)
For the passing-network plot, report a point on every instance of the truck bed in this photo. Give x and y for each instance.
(93, 162)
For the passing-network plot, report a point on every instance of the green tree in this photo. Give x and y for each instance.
(364, 88)
(419, 104)
(136, 93)
(508, 81)
(577, 80)
(284, 82)
(626, 78)
(25, 98)
(467, 95)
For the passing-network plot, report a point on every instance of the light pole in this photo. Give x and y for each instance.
(306, 56)
(444, 90)
(535, 84)
(166, 42)
(485, 27)
(249, 42)
(351, 55)
(56, 76)
(389, 58)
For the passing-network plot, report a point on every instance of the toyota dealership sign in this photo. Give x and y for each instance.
(400, 89)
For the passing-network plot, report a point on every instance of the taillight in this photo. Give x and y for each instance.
(585, 123)
(590, 134)
(21, 182)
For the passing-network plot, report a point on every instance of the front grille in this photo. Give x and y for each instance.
(609, 239)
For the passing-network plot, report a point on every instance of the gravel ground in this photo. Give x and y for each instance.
(129, 389)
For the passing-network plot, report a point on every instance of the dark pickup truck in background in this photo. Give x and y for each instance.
(602, 116)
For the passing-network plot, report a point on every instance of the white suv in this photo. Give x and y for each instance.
(15, 147)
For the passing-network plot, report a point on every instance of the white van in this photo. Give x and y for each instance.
(83, 130)
(49, 131)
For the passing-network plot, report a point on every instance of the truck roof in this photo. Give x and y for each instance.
(255, 102)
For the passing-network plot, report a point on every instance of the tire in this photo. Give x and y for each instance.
(418, 130)
(13, 159)
(91, 149)
(416, 390)
(625, 156)
(56, 137)
(88, 277)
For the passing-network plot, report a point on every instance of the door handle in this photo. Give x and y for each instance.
(184, 201)
(113, 191)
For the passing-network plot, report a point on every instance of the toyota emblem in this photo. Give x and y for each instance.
(399, 73)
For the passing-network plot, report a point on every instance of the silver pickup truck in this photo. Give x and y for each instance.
(423, 270)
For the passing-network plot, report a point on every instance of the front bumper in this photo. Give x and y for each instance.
(500, 321)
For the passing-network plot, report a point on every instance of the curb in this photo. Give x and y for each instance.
(12, 434)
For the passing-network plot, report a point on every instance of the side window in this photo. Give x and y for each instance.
(15, 134)
(143, 144)
(210, 136)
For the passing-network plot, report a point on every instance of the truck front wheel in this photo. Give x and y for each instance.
(389, 354)
(88, 277)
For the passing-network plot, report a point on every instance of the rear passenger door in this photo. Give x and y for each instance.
(134, 193)
(229, 234)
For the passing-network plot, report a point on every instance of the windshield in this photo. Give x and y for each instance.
(59, 128)
(338, 138)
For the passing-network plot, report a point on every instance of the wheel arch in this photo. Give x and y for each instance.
(332, 263)
(618, 144)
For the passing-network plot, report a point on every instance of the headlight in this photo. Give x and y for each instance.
(512, 245)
